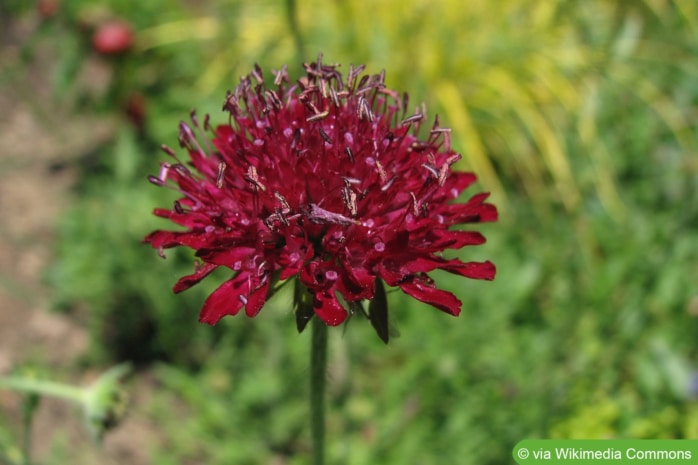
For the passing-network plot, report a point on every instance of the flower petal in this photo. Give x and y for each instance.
(329, 309)
(228, 299)
(443, 300)
(185, 282)
(256, 299)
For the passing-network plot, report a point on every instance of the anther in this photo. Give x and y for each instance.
(387, 185)
(274, 97)
(318, 116)
(253, 178)
(431, 169)
(282, 200)
(364, 110)
(257, 74)
(381, 171)
(349, 198)
(178, 207)
(412, 119)
(324, 135)
(168, 151)
(155, 180)
(221, 174)
(349, 153)
(280, 76)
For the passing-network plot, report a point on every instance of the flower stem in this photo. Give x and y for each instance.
(43, 387)
(318, 367)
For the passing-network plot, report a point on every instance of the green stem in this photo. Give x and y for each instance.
(318, 368)
(43, 387)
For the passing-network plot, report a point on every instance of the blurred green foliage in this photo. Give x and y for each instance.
(578, 116)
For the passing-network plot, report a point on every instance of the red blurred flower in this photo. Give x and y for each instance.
(325, 180)
(113, 37)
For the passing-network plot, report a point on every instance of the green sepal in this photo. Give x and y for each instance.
(378, 312)
(303, 305)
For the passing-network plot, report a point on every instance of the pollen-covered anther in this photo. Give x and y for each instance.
(416, 205)
(253, 178)
(155, 180)
(286, 208)
(381, 172)
(349, 153)
(324, 136)
(335, 97)
(274, 98)
(221, 175)
(387, 185)
(412, 119)
(318, 115)
(364, 109)
(349, 198)
(431, 169)
(168, 151)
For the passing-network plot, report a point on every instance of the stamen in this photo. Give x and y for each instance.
(253, 178)
(431, 169)
(324, 135)
(156, 181)
(364, 109)
(335, 97)
(257, 74)
(415, 204)
(349, 198)
(168, 151)
(282, 200)
(349, 153)
(348, 180)
(317, 116)
(221, 174)
(412, 119)
(280, 75)
(381, 171)
(178, 207)
(443, 172)
(274, 97)
(387, 185)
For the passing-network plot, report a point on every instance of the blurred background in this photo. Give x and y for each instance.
(579, 117)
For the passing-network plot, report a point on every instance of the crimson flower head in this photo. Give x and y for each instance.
(327, 181)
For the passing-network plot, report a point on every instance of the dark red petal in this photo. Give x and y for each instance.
(257, 299)
(458, 181)
(329, 309)
(443, 300)
(233, 257)
(293, 256)
(440, 239)
(473, 270)
(168, 239)
(228, 299)
(356, 283)
(185, 282)
(474, 210)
